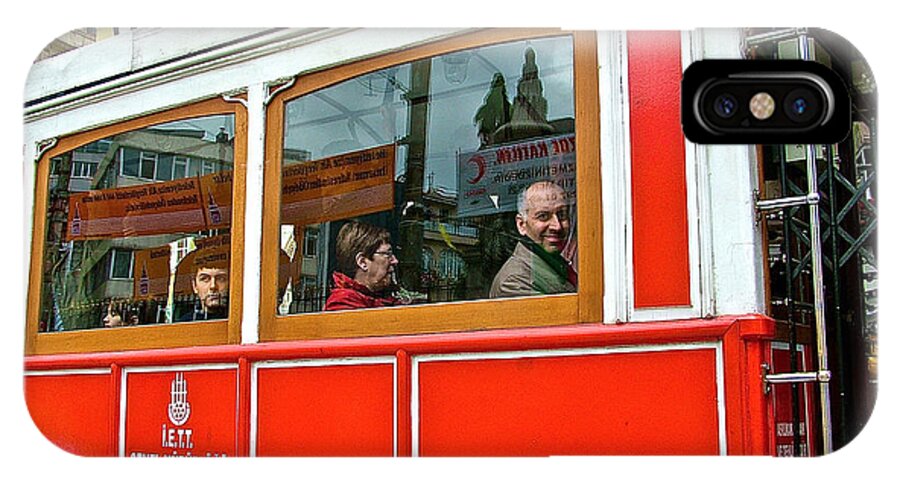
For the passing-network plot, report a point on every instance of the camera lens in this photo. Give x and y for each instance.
(725, 105)
(801, 105)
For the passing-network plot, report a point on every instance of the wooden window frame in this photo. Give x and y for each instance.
(186, 334)
(586, 306)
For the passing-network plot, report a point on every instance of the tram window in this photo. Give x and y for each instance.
(433, 154)
(132, 237)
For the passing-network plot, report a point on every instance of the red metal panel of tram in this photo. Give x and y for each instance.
(74, 411)
(632, 403)
(326, 411)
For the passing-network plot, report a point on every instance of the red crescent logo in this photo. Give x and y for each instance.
(478, 160)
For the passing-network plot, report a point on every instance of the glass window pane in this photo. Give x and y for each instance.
(311, 242)
(164, 167)
(131, 162)
(412, 175)
(180, 167)
(121, 264)
(128, 245)
(148, 165)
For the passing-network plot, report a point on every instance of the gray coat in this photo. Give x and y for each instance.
(525, 273)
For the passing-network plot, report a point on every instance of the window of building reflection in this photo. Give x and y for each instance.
(433, 155)
(138, 228)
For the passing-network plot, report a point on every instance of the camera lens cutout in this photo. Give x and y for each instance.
(801, 105)
(725, 105)
(762, 101)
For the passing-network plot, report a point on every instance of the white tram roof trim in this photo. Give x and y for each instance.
(137, 50)
(131, 50)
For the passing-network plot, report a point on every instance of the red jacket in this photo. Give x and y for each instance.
(348, 294)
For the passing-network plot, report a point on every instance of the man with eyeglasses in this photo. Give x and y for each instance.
(537, 266)
(365, 268)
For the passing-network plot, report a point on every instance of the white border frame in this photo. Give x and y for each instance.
(572, 352)
(615, 177)
(697, 193)
(317, 362)
(618, 249)
(123, 392)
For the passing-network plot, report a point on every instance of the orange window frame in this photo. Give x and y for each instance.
(212, 332)
(585, 306)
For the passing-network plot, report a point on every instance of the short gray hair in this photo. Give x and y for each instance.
(522, 203)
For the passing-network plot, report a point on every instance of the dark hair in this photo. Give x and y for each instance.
(355, 237)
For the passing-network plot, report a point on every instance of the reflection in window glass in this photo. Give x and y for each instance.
(130, 161)
(164, 167)
(180, 167)
(410, 176)
(120, 266)
(134, 237)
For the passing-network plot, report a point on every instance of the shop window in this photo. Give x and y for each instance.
(164, 243)
(432, 155)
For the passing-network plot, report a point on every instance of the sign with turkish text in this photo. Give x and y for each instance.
(490, 179)
(338, 187)
(216, 191)
(151, 272)
(177, 206)
(181, 413)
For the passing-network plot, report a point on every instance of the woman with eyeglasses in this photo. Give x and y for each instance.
(365, 268)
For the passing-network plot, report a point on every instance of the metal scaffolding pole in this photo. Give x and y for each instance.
(812, 180)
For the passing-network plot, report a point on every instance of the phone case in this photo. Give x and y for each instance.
(438, 242)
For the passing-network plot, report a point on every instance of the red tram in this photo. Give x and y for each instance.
(686, 321)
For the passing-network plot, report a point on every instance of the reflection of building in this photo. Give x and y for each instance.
(293, 155)
(144, 156)
(305, 253)
(311, 253)
(448, 243)
(89, 271)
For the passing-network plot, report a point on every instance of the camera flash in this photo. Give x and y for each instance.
(762, 105)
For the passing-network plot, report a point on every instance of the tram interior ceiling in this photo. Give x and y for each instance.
(387, 227)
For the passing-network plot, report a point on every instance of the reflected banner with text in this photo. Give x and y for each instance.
(338, 187)
(178, 206)
(152, 272)
(490, 179)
